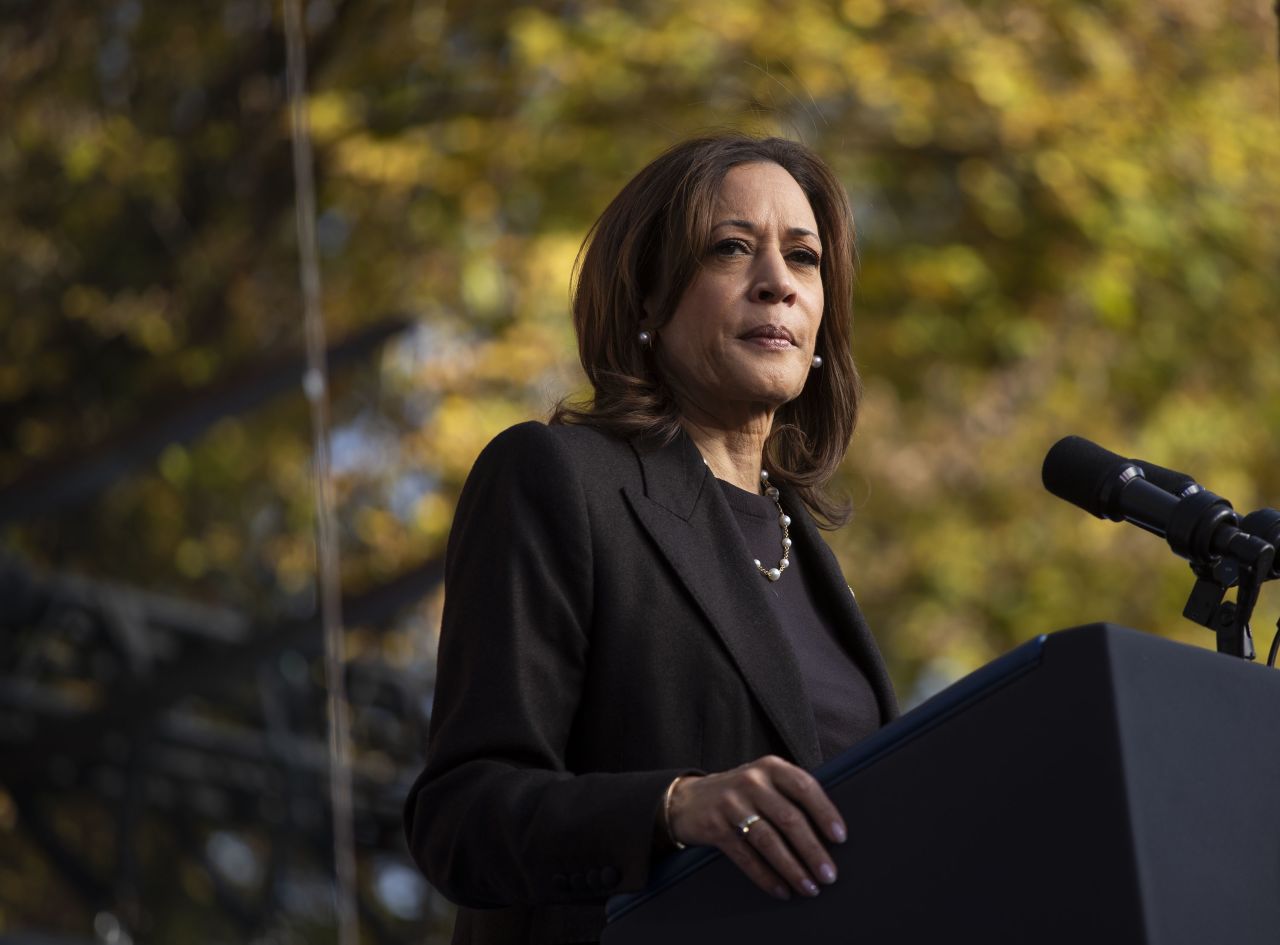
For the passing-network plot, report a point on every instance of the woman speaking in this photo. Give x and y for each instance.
(645, 639)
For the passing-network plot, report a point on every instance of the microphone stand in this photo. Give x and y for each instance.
(1228, 619)
(1243, 560)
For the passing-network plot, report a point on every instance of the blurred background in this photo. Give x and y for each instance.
(1067, 223)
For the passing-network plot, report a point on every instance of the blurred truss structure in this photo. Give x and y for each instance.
(172, 723)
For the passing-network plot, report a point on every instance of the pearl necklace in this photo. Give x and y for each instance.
(784, 520)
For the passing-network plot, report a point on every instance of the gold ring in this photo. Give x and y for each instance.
(745, 825)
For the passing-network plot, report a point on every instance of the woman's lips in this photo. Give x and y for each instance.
(767, 341)
(769, 336)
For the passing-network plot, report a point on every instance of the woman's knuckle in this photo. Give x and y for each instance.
(812, 853)
(745, 859)
(765, 840)
(788, 819)
(794, 873)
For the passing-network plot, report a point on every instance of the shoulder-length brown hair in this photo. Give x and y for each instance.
(648, 245)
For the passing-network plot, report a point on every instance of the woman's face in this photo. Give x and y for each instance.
(740, 342)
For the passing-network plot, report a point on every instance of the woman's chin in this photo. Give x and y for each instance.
(776, 391)
(762, 399)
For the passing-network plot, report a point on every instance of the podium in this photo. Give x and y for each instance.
(1096, 785)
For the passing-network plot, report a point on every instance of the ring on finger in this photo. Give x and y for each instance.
(745, 825)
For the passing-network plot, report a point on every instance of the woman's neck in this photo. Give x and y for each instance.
(734, 455)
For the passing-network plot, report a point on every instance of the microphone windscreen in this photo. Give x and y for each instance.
(1076, 470)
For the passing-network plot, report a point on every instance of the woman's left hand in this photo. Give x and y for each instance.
(766, 816)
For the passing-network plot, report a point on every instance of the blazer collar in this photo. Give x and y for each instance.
(691, 522)
(675, 474)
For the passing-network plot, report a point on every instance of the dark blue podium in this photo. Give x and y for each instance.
(1095, 785)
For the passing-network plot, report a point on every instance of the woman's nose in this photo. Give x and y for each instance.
(772, 279)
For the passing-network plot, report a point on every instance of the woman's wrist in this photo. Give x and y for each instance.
(667, 799)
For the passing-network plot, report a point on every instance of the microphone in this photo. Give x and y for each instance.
(1106, 485)
(1197, 524)
(1264, 523)
(1170, 480)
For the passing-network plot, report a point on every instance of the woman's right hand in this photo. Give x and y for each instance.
(784, 812)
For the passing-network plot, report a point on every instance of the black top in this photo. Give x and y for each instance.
(844, 705)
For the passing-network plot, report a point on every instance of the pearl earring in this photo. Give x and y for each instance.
(817, 360)
(646, 339)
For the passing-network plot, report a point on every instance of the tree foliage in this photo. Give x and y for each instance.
(1066, 221)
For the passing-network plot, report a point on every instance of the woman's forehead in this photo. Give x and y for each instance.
(763, 194)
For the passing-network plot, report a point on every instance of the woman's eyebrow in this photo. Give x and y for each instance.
(751, 227)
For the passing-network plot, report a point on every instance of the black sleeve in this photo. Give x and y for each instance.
(495, 818)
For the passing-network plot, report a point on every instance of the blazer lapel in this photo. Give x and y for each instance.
(850, 625)
(692, 525)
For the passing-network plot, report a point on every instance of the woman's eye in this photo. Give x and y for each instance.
(806, 257)
(731, 248)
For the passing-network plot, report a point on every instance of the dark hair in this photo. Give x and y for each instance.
(649, 243)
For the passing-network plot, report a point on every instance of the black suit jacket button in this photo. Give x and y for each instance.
(561, 882)
(609, 877)
(577, 881)
(593, 879)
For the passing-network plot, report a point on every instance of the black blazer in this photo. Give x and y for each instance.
(604, 630)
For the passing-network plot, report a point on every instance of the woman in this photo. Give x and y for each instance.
(631, 600)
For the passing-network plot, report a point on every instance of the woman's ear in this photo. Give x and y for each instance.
(648, 324)
(650, 306)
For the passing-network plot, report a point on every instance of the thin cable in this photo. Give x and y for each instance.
(328, 577)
